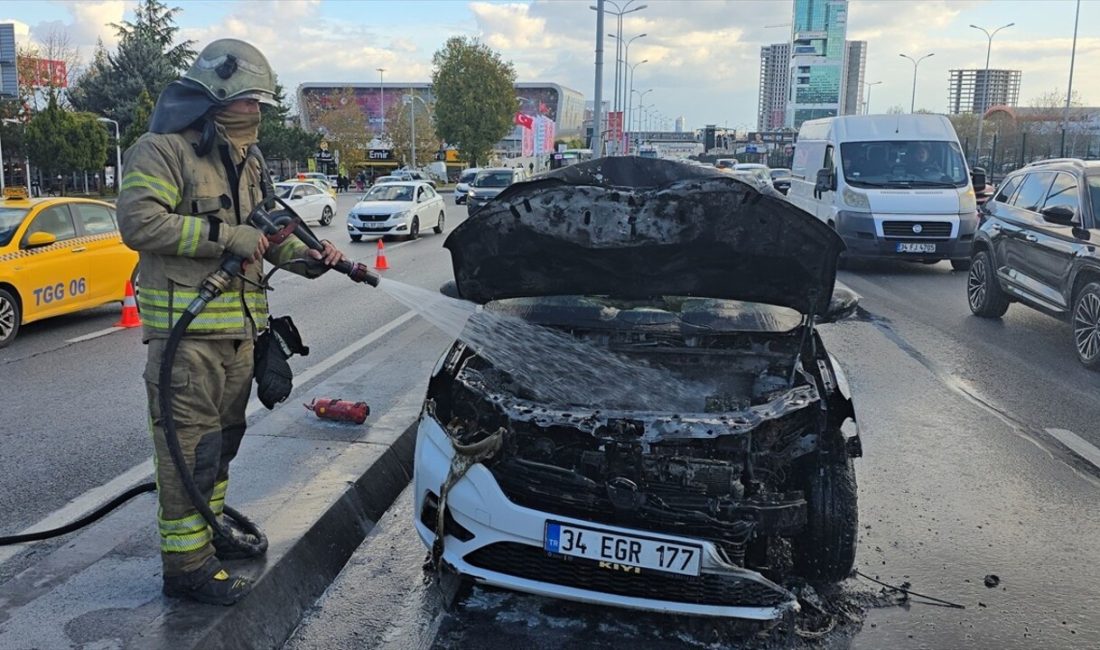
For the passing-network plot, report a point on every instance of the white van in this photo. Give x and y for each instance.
(893, 186)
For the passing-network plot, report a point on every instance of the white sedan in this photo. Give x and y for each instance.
(401, 208)
(309, 201)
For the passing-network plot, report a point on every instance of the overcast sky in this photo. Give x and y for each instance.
(703, 55)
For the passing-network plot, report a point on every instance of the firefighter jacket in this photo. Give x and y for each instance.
(176, 209)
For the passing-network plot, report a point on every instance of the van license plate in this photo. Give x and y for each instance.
(916, 248)
(623, 552)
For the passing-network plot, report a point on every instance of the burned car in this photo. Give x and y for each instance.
(709, 432)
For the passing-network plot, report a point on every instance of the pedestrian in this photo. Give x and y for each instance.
(188, 188)
(360, 180)
(531, 167)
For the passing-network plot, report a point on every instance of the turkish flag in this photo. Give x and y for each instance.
(526, 121)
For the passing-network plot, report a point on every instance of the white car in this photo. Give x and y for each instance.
(463, 186)
(309, 201)
(400, 208)
(759, 174)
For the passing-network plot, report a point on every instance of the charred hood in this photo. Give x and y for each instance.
(638, 228)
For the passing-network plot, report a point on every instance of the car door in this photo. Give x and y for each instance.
(422, 206)
(824, 208)
(299, 200)
(51, 275)
(1019, 223)
(315, 202)
(1055, 245)
(433, 207)
(109, 263)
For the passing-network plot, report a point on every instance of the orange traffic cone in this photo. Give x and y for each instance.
(130, 317)
(380, 262)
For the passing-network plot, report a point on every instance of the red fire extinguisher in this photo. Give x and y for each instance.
(339, 410)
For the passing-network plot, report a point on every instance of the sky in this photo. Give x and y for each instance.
(703, 56)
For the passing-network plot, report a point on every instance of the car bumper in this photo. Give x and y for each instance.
(503, 547)
(377, 228)
(862, 235)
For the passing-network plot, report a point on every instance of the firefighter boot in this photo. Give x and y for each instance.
(211, 584)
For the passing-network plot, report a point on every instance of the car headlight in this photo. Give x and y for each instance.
(471, 194)
(856, 200)
(967, 201)
(400, 215)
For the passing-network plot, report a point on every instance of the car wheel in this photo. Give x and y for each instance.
(1086, 325)
(356, 237)
(10, 317)
(826, 549)
(326, 216)
(983, 292)
(439, 225)
(414, 228)
(960, 265)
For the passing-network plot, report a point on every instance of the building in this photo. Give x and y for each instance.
(680, 124)
(818, 73)
(971, 91)
(775, 64)
(855, 65)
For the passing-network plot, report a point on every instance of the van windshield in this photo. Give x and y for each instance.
(903, 163)
(493, 179)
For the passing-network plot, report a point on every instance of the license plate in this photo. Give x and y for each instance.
(629, 553)
(916, 248)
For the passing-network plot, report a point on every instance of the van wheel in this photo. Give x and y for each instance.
(983, 292)
(11, 317)
(1086, 325)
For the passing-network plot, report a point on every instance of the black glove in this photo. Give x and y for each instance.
(279, 342)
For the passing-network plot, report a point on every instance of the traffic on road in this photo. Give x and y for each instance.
(438, 355)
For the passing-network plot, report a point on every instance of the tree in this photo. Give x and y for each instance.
(139, 120)
(146, 60)
(400, 132)
(343, 124)
(279, 138)
(34, 81)
(61, 142)
(475, 96)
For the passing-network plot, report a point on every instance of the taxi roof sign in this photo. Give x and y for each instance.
(15, 192)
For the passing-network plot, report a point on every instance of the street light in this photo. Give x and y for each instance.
(622, 11)
(408, 99)
(630, 97)
(867, 102)
(381, 101)
(118, 150)
(621, 91)
(985, 89)
(641, 95)
(1069, 91)
(916, 62)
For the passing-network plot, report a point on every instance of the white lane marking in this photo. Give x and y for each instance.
(95, 335)
(1078, 445)
(84, 504)
(143, 471)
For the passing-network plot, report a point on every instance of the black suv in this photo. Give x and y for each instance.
(1037, 244)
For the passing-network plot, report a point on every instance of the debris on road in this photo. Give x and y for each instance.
(992, 580)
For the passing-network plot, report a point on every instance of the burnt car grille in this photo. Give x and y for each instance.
(905, 229)
(533, 563)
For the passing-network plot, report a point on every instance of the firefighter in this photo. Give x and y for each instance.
(188, 186)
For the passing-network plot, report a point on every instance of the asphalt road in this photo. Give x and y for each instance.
(74, 413)
(961, 479)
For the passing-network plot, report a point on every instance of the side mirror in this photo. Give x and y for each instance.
(40, 239)
(826, 182)
(978, 179)
(842, 304)
(450, 289)
(1063, 215)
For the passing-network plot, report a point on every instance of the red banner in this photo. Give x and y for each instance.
(45, 72)
(526, 121)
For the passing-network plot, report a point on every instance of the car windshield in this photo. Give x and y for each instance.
(10, 218)
(780, 173)
(467, 177)
(903, 163)
(493, 179)
(389, 193)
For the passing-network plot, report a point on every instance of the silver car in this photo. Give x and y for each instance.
(398, 208)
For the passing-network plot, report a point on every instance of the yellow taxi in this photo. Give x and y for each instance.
(57, 256)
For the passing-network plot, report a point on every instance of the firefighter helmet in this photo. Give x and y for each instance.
(229, 69)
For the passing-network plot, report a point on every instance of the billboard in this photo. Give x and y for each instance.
(44, 72)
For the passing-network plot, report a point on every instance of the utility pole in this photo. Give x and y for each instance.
(985, 87)
(915, 62)
(1069, 92)
(381, 101)
(597, 108)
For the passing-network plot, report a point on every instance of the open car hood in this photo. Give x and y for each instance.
(637, 228)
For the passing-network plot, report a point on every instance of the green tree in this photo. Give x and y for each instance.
(139, 120)
(61, 142)
(400, 132)
(343, 124)
(147, 59)
(475, 96)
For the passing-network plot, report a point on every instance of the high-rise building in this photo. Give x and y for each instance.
(968, 90)
(855, 64)
(818, 74)
(680, 124)
(775, 70)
